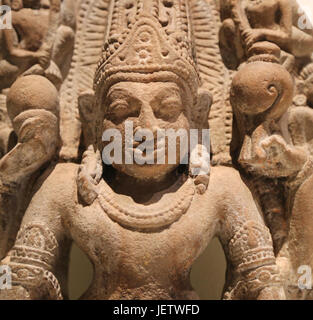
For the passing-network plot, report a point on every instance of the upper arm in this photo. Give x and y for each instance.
(238, 205)
(9, 39)
(10, 35)
(286, 16)
(243, 231)
(242, 15)
(247, 243)
(42, 246)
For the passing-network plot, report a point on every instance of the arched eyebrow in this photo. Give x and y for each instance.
(118, 90)
(163, 92)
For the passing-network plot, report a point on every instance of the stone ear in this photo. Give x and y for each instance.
(202, 110)
(86, 102)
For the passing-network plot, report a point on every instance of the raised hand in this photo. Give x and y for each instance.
(251, 36)
(33, 108)
(282, 158)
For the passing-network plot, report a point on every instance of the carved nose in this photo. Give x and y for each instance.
(148, 120)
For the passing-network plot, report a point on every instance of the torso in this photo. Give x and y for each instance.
(262, 13)
(31, 27)
(131, 263)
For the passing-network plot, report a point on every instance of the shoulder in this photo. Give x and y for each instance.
(22, 16)
(233, 200)
(286, 4)
(54, 196)
(57, 187)
(226, 185)
(225, 177)
(16, 16)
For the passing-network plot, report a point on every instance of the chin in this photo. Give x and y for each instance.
(146, 172)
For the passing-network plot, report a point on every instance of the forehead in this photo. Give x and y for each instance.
(134, 88)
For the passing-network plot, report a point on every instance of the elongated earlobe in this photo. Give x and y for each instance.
(86, 111)
(201, 112)
(199, 167)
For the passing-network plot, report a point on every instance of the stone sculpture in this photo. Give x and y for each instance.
(33, 108)
(242, 68)
(142, 226)
(34, 67)
(272, 132)
(246, 22)
(40, 43)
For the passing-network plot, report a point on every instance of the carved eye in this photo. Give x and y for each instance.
(129, 5)
(120, 110)
(168, 3)
(118, 107)
(169, 110)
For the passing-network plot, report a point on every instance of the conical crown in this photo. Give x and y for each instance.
(148, 40)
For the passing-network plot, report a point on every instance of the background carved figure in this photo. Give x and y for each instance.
(271, 139)
(246, 22)
(34, 46)
(129, 219)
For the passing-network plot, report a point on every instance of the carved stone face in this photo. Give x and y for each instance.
(152, 106)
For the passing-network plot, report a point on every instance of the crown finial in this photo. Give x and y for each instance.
(148, 39)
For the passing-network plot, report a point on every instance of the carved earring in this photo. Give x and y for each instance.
(89, 175)
(86, 107)
(199, 167)
(199, 161)
(201, 111)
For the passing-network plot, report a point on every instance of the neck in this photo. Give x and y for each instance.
(142, 190)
